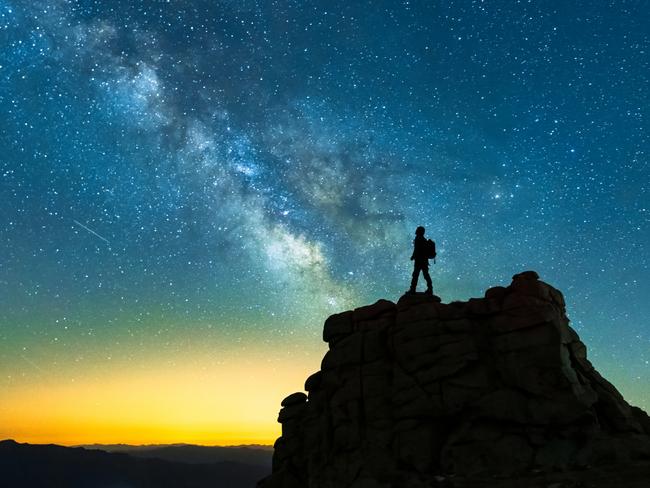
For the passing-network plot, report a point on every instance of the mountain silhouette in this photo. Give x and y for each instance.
(495, 391)
(45, 466)
(257, 455)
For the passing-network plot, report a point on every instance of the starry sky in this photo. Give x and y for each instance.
(190, 187)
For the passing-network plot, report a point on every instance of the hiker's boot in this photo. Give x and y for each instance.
(429, 291)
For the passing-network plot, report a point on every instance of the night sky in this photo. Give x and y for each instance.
(189, 188)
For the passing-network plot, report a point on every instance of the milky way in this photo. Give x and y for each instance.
(190, 181)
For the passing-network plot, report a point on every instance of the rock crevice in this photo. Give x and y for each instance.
(417, 390)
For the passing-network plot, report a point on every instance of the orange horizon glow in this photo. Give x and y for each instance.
(231, 404)
(39, 441)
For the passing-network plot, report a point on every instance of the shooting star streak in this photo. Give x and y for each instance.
(92, 231)
(33, 364)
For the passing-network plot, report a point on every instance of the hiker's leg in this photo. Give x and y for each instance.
(414, 278)
(427, 278)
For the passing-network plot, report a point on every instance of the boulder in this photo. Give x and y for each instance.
(294, 399)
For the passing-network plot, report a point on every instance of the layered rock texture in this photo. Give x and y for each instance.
(416, 393)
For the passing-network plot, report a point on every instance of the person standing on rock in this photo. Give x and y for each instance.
(423, 249)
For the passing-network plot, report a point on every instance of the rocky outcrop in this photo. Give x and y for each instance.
(411, 393)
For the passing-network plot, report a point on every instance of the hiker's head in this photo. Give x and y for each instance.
(419, 231)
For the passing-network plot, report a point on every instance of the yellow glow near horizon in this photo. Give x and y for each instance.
(217, 405)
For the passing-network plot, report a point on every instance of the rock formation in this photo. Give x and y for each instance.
(414, 392)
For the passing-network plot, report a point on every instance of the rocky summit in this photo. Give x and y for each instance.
(423, 394)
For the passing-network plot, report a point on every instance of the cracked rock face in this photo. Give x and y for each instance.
(412, 392)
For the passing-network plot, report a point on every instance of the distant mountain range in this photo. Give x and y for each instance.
(188, 453)
(125, 466)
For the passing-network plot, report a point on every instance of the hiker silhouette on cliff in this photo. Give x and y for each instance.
(423, 250)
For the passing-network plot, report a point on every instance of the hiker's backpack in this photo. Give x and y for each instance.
(431, 249)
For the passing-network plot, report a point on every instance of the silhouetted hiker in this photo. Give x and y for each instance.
(423, 249)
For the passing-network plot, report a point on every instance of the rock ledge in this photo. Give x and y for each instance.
(413, 393)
